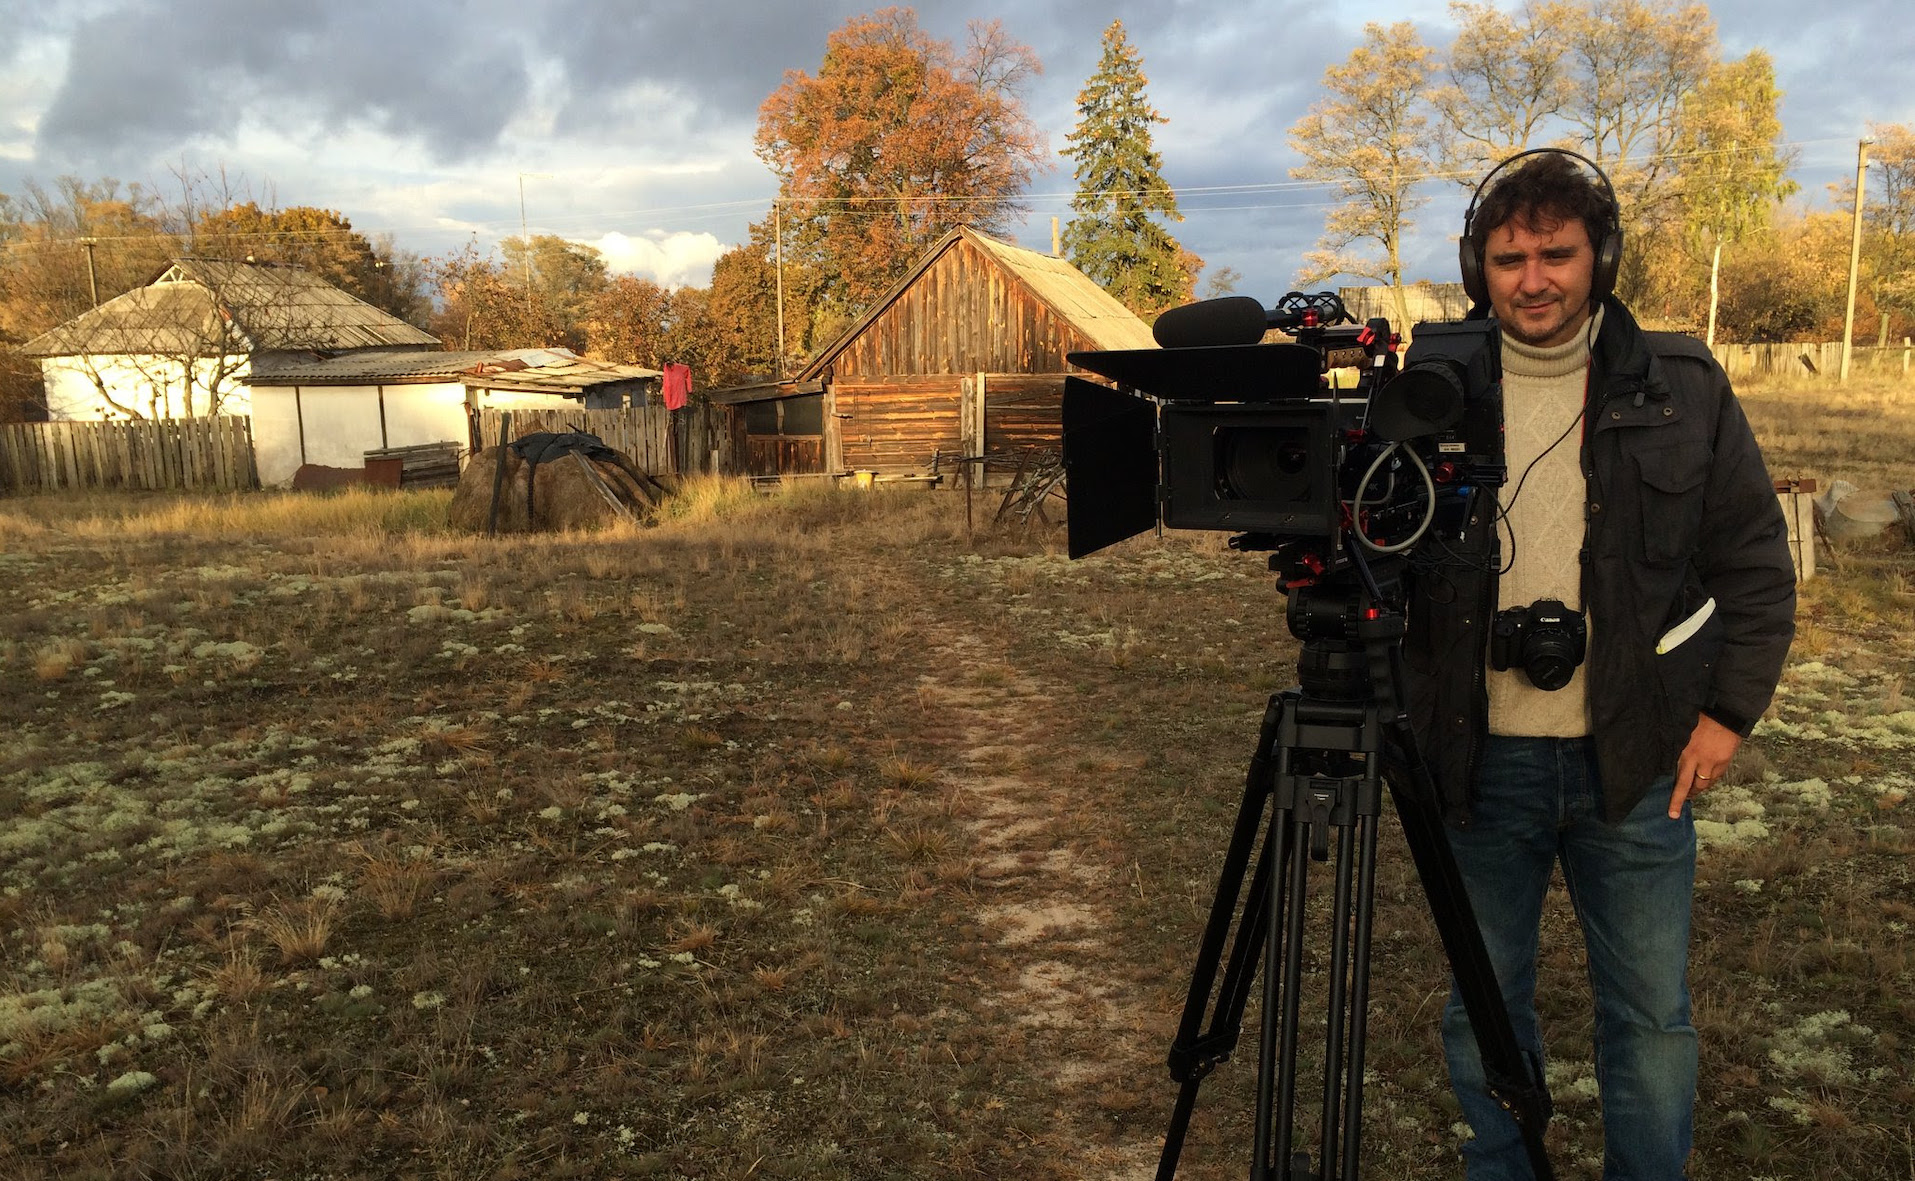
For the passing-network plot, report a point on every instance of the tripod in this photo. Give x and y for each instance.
(1325, 751)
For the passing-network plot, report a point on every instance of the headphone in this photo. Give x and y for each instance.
(1609, 234)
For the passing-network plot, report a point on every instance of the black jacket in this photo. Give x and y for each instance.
(1679, 509)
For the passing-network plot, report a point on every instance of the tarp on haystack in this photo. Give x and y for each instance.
(549, 482)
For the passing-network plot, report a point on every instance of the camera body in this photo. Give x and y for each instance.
(1218, 430)
(1546, 640)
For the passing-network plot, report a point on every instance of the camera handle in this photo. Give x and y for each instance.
(1317, 768)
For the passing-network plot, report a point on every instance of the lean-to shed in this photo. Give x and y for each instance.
(963, 357)
(330, 412)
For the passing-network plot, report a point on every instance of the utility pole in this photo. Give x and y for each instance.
(778, 267)
(1855, 256)
(525, 238)
(92, 281)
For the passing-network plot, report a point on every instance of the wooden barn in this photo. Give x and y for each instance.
(962, 359)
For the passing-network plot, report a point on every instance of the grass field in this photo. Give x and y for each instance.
(806, 835)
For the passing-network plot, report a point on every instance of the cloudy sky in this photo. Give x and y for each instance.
(629, 122)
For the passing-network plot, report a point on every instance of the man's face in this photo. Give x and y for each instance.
(1539, 279)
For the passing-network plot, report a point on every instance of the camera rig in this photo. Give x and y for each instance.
(1218, 430)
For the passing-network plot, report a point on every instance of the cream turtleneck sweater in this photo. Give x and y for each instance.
(1543, 391)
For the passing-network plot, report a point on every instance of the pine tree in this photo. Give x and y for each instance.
(1115, 236)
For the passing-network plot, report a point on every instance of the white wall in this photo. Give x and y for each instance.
(276, 453)
(342, 423)
(152, 385)
(426, 414)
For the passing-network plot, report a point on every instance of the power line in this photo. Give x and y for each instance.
(1036, 200)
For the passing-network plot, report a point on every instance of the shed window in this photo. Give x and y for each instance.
(802, 415)
(761, 418)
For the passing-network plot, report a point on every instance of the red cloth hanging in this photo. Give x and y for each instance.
(678, 386)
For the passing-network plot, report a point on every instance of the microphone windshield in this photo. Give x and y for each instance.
(1234, 319)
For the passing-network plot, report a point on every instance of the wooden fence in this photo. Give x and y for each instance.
(1816, 362)
(658, 440)
(163, 454)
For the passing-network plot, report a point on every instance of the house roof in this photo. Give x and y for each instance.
(197, 305)
(556, 371)
(1069, 293)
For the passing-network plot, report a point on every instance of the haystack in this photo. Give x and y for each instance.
(553, 482)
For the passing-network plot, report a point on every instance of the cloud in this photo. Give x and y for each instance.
(183, 70)
(670, 259)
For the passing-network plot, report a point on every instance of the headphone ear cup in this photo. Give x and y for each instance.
(1608, 263)
(1469, 261)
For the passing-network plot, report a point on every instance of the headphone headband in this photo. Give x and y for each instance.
(1608, 250)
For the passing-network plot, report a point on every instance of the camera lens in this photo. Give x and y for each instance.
(1263, 463)
(1550, 662)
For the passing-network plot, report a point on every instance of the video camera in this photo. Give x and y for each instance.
(1217, 430)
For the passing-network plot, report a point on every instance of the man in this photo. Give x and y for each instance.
(1637, 508)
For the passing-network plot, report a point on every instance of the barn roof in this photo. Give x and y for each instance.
(553, 370)
(271, 306)
(1069, 293)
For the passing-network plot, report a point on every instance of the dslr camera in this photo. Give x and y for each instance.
(1545, 639)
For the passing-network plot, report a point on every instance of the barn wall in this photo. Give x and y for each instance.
(1023, 411)
(964, 314)
(900, 425)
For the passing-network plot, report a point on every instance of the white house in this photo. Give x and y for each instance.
(182, 345)
(330, 411)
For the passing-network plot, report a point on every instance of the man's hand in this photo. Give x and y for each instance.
(1711, 746)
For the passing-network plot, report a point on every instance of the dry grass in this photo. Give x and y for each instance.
(800, 835)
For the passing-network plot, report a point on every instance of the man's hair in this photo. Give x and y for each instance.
(1542, 192)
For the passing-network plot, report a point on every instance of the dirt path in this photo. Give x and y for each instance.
(1045, 906)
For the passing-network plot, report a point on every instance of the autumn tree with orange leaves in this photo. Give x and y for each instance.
(896, 139)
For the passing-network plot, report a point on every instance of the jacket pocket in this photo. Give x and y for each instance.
(1671, 497)
(1686, 671)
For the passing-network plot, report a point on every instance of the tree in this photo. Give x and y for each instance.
(324, 242)
(535, 295)
(628, 320)
(743, 315)
(61, 247)
(1372, 140)
(1888, 213)
(893, 142)
(1730, 174)
(1115, 236)
(1634, 61)
(1508, 80)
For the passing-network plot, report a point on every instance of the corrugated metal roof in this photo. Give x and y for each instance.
(269, 306)
(1074, 296)
(542, 370)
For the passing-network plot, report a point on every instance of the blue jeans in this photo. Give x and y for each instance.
(1538, 802)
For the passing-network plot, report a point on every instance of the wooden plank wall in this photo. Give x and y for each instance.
(1023, 411)
(899, 425)
(642, 432)
(175, 454)
(779, 455)
(963, 315)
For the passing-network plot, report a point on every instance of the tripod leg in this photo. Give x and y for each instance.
(1196, 1052)
(1360, 998)
(1340, 928)
(1283, 1048)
